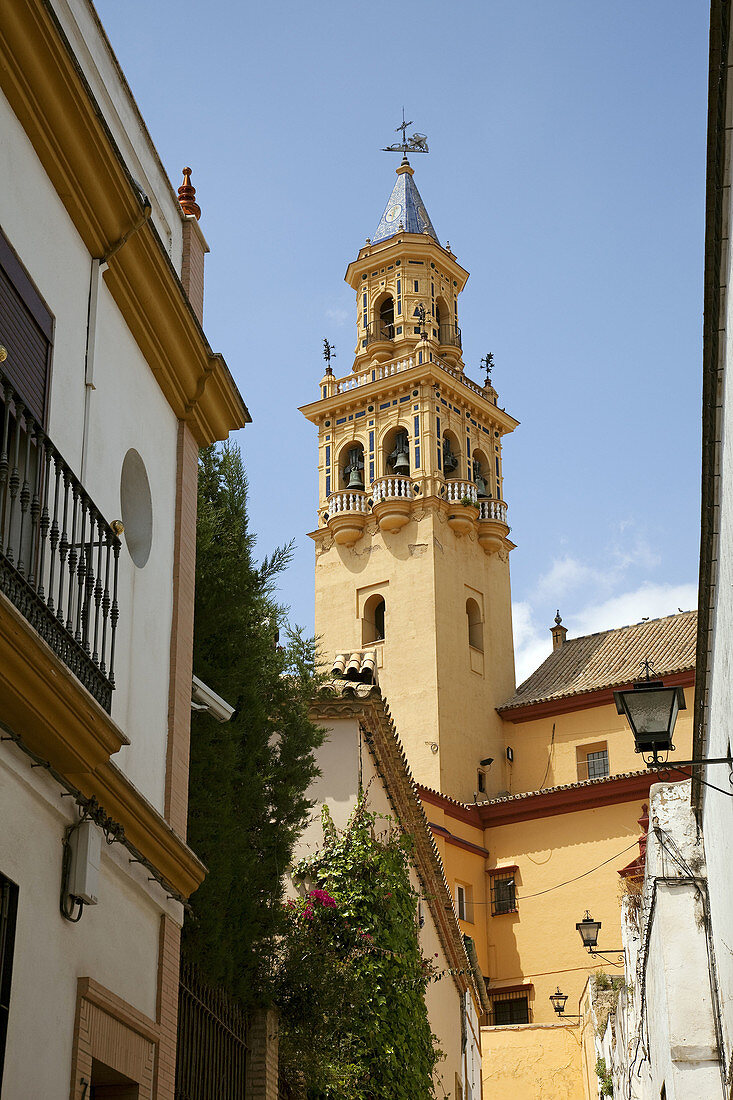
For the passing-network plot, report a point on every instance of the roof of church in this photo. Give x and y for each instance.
(404, 208)
(610, 658)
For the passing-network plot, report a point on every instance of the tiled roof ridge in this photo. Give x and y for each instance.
(598, 661)
(628, 626)
(599, 781)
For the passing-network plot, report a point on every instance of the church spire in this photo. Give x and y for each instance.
(405, 211)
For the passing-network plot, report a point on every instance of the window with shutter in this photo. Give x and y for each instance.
(26, 332)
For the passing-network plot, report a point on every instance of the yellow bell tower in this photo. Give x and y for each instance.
(412, 553)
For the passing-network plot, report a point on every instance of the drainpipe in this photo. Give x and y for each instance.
(99, 266)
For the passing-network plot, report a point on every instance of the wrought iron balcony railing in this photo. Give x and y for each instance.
(58, 554)
(379, 331)
(449, 334)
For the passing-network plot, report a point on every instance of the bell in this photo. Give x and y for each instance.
(402, 464)
(356, 481)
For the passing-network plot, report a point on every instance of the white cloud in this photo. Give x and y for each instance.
(533, 641)
(337, 316)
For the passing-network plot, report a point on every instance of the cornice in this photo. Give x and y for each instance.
(600, 697)
(48, 92)
(58, 717)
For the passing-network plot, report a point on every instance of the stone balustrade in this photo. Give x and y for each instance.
(391, 488)
(492, 509)
(347, 501)
(456, 491)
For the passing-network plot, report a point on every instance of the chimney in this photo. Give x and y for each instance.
(558, 632)
(194, 246)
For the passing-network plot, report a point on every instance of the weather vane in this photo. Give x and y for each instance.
(416, 143)
(329, 353)
(488, 364)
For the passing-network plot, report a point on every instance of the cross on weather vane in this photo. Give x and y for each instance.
(416, 143)
(329, 353)
(488, 364)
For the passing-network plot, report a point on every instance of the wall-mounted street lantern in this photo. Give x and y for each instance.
(651, 710)
(558, 1000)
(588, 930)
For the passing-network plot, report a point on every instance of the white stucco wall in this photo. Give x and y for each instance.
(115, 942)
(717, 818)
(664, 1028)
(127, 410)
(339, 760)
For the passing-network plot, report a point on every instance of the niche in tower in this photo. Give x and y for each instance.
(397, 453)
(372, 625)
(481, 474)
(351, 466)
(451, 455)
(384, 319)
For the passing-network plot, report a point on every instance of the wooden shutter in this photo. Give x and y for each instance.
(26, 331)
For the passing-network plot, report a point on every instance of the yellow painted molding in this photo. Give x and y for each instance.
(46, 705)
(48, 92)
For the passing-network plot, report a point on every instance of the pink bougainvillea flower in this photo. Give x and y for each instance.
(323, 898)
(308, 912)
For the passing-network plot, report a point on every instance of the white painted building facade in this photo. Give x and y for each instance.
(361, 750)
(94, 243)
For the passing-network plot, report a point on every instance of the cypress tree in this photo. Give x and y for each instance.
(248, 777)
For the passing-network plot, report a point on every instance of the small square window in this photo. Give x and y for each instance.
(503, 893)
(593, 761)
(509, 1008)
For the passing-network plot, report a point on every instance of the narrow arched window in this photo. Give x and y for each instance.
(372, 625)
(475, 625)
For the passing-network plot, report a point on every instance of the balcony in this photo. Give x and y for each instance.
(463, 506)
(379, 332)
(392, 502)
(59, 556)
(492, 525)
(347, 516)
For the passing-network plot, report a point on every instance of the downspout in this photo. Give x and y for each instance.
(98, 268)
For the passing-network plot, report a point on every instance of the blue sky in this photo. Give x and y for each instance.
(567, 170)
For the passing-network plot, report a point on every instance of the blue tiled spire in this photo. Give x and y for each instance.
(404, 207)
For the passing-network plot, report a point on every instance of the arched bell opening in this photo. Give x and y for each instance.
(475, 625)
(351, 467)
(481, 475)
(451, 455)
(396, 453)
(382, 326)
(372, 625)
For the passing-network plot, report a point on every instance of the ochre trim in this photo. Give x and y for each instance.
(502, 870)
(45, 703)
(492, 990)
(556, 800)
(458, 810)
(570, 800)
(527, 712)
(47, 90)
(458, 841)
(144, 826)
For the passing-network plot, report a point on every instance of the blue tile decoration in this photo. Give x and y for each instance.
(342, 420)
(404, 207)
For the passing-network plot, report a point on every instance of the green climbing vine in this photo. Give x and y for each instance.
(352, 978)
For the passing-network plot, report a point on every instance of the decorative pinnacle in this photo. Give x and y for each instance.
(187, 196)
(329, 353)
(558, 620)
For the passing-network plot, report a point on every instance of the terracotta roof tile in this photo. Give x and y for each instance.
(611, 657)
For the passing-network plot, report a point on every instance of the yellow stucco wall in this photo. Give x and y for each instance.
(531, 1062)
(533, 744)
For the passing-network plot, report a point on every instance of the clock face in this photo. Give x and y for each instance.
(393, 213)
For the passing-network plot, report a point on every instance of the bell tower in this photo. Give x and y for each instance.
(412, 547)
